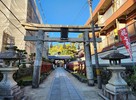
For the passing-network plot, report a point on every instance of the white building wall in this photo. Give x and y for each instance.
(121, 50)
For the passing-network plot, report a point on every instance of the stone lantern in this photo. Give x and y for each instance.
(9, 90)
(117, 88)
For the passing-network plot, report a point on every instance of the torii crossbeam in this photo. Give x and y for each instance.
(57, 28)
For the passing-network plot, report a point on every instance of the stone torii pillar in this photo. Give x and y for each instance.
(38, 59)
(88, 60)
(45, 47)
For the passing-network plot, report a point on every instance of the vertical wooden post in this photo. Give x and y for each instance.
(88, 60)
(38, 59)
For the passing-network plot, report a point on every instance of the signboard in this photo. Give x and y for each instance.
(123, 33)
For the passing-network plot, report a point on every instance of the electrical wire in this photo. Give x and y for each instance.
(16, 19)
(44, 18)
(39, 1)
(11, 21)
(80, 11)
(10, 11)
(22, 10)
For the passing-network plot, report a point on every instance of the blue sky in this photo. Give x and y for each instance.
(65, 12)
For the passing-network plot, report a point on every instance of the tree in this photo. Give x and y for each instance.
(80, 35)
(70, 49)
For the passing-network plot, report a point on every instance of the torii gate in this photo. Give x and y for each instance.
(41, 28)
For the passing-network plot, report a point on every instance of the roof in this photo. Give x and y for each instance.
(114, 56)
(10, 53)
(58, 57)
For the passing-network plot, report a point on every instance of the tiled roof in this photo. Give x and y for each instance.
(59, 57)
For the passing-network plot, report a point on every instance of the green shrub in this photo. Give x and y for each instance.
(132, 82)
(105, 76)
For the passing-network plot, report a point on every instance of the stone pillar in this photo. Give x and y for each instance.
(88, 60)
(46, 48)
(38, 59)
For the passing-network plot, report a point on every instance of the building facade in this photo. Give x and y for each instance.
(114, 15)
(12, 14)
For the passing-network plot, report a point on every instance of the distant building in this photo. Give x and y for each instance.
(12, 13)
(114, 15)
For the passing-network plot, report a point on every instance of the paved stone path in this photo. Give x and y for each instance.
(62, 88)
(61, 85)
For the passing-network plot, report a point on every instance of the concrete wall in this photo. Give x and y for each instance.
(3, 20)
(25, 11)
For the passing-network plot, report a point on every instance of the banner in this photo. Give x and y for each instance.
(123, 33)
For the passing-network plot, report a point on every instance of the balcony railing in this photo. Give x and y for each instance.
(118, 4)
(109, 40)
(107, 14)
(110, 11)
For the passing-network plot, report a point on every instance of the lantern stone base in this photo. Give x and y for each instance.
(116, 83)
(9, 90)
(13, 93)
(117, 88)
(110, 95)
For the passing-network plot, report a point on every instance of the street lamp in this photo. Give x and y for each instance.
(95, 47)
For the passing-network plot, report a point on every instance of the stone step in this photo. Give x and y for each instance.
(25, 98)
(18, 95)
(16, 89)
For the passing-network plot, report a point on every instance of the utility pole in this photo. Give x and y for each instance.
(95, 48)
